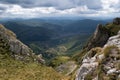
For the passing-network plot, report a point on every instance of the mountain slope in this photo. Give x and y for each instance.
(44, 35)
(18, 62)
(82, 26)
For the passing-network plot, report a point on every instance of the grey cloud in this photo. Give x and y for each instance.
(41, 3)
(58, 4)
(2, 8)
(10, 1)
(1, 11)
(115, 5)
(88, 12)
(91, 4)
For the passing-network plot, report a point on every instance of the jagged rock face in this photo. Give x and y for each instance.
(99, 38)
(16, 47)
(115, 40)
(89, 64)
(102, 63)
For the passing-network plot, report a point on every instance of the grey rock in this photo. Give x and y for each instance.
(90, 64)
(18, 49)
(114, 40)
(99, 38)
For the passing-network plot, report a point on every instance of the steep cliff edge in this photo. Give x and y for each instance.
(102, 62)
(102, 34)
(99, 37)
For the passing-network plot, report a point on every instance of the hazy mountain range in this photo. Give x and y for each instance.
(43, 35)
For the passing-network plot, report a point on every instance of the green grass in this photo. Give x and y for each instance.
(11, 69)
(113, 29)
(108, 50)
(59, 60)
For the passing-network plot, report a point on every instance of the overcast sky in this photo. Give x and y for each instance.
(49, 8)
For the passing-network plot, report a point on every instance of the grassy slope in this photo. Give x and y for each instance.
(11, 69)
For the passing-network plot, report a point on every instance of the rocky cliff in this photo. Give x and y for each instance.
(102, 61)
(102, 34)
(99, 38)
(16, 48)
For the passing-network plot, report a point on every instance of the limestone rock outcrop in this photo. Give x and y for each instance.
(18, 50)
(114, 40)
(102, 63)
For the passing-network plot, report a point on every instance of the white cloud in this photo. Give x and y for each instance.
(76, 10)
(106, 4)
(18, 11)
(87, 8)
(109, 7)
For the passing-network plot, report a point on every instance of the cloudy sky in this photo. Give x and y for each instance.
(52, 8)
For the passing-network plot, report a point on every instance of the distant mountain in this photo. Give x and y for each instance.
(83, 26)
(31, 33)
(46, 35)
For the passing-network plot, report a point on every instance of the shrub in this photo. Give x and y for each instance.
(109, 50)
